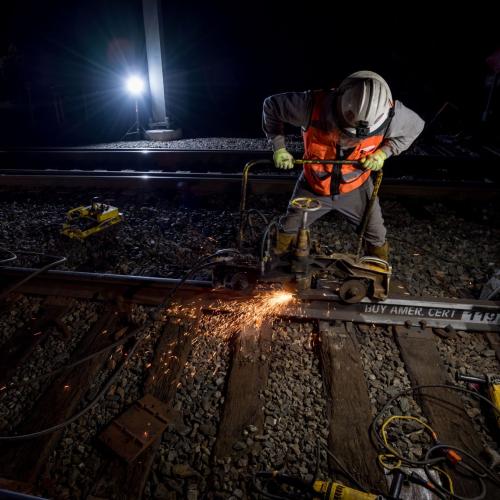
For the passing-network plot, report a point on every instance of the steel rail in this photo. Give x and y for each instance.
(117, 159)
(430, 166)
(218, 182)
(97, 286)
(459, 314)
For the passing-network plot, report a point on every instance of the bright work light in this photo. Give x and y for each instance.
(135, 85)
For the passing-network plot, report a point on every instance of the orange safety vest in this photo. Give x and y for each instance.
(321, 144)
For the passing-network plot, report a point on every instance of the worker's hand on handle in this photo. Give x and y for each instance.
(283, 159)
(375, 161)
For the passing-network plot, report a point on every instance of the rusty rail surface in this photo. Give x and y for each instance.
(460, 314)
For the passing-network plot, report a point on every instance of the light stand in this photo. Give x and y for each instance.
(135, 86)
(136, 130)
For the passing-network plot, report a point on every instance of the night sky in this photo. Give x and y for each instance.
(223, 59)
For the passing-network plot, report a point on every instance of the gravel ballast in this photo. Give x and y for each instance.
(293, 403)
(444, 254)
(50, 355)
(294, 144)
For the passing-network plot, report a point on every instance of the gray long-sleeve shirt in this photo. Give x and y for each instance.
(295, 108)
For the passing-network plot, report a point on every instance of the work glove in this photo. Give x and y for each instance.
(283, 159)
(375, 161)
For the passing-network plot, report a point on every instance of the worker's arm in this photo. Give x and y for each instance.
(405, 127)
(293, 108)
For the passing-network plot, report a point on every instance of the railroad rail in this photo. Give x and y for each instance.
(474, 315)
(209, 172)
(203, 184)
(430, 167)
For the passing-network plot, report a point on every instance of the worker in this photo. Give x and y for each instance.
(357, 121)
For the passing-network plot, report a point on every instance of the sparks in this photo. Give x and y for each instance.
(279, 298)
(250, 312)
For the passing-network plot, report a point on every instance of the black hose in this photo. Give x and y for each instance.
(266, 235)
(59, 260)
(200, 264)
(421, 463)
(87, 408)
(281, 478)
(259, 213)
(477, 476)
(8, 259)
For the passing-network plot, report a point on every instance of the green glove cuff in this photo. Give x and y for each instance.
(382, 153)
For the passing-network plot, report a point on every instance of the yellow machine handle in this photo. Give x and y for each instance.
(329, 490)
(494, 390)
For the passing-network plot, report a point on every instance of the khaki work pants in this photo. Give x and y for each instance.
(352, 205)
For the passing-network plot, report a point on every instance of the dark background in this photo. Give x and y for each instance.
(69, 61)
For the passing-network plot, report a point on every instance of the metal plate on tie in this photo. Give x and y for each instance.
(414, 332)
(137, 429)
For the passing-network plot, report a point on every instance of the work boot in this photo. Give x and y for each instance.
(381, 252)
(281, 250)
(283, 243)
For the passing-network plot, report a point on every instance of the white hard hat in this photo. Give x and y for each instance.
(364, 103)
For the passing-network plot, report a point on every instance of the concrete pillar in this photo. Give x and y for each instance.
(153, 27)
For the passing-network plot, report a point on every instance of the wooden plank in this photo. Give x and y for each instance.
(348, 407)
(443, 408)
(25, 460)
(25, 340)
(116, 479)
(248, 377)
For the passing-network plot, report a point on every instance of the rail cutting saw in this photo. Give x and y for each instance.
(351, 276)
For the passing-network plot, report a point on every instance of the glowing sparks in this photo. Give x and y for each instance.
(180, 312)
(250, 312)
(279, 298)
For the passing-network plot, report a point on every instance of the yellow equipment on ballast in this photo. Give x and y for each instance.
(492, 381)
(317, 490)
(330, 490)
(81, 222)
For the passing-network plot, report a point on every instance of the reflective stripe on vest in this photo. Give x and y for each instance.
(320, 144)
